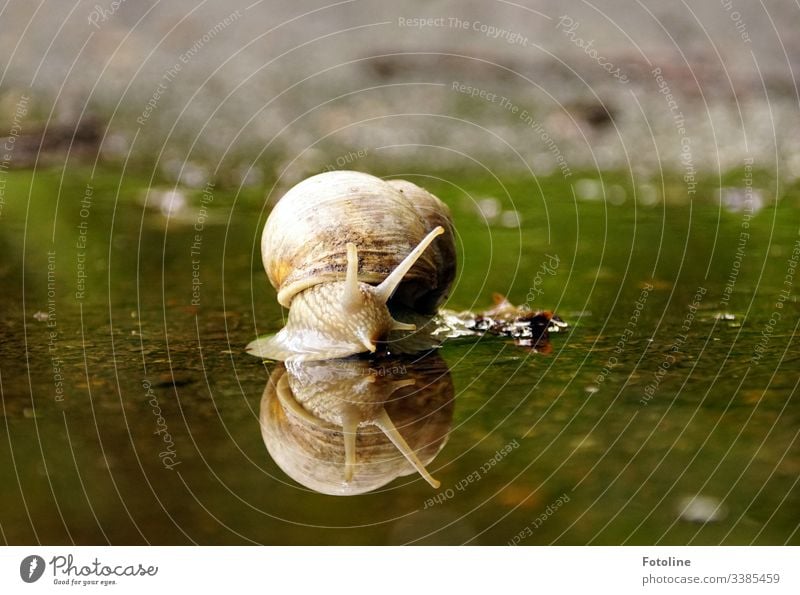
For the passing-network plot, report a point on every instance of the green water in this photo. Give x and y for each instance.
(595, 445)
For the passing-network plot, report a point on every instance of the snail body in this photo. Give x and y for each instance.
(345, 251)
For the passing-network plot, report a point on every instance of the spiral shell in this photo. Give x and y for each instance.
(305, 239)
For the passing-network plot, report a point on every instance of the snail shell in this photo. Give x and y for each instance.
(346, 427)
(345, 250)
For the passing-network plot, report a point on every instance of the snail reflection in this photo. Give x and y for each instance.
(349, 426)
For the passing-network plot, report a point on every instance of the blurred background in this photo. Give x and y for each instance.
(648, 148)
(270, 88)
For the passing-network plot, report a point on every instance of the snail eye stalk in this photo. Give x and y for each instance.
(352, 294)
(385, 290)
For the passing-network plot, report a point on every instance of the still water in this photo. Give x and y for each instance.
(665, 413)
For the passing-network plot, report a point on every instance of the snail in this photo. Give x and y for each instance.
(346, 427)
(348, 252)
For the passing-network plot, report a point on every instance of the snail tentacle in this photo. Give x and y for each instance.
(402, 326)
(384, 422)
(350, 421)
(352, 292)
(367, 341)
(387, 287)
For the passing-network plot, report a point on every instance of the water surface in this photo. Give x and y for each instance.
(132, 413)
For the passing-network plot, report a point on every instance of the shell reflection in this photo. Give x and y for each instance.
(348, 426)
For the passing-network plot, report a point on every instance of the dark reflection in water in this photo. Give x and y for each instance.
(348, 426)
